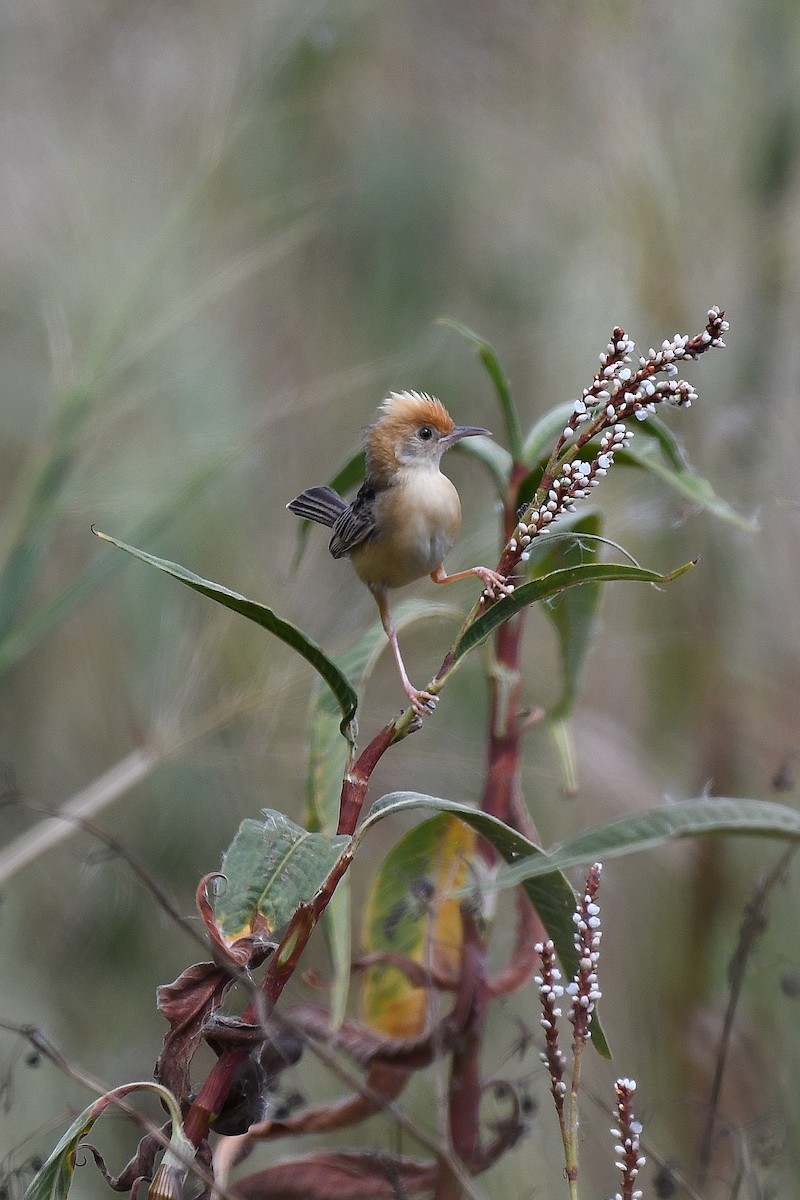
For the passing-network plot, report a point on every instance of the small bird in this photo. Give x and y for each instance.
(406, 515)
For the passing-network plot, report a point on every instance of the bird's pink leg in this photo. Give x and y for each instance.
(422, 702)
(493, 581)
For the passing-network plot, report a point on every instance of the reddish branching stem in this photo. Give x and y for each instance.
(356, 781)
(620, 390)
(470, 1013)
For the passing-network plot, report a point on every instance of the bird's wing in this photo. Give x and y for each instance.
(320, 504)
(355, 524)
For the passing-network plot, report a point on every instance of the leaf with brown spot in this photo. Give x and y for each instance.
(411, 910)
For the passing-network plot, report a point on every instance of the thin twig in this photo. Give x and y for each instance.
(752, 927)
(60, 823)
(43, 1045)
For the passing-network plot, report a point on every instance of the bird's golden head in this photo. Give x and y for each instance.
(404, 411)
(412, 429)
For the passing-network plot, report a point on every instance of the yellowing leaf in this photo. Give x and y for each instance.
(272, 867)
(411, 911)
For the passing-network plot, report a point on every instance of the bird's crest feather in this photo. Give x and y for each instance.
(415, 408)
(398, 419)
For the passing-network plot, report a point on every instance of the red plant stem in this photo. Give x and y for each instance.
(282, 966)
(470, 1015)
(465, 1083)
(501, 793)
(356, 781)
(500, 798)
(524, 960)
(213, 1094)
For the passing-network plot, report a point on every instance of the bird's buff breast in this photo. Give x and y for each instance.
(417, 524)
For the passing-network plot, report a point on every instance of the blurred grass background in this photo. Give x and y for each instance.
(226, 232)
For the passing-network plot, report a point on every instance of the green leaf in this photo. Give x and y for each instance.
(645, 830)
(346, 479)
(550, 585)
(538, 447)
(493, 456)
(560, 730)
(544, 435)
(272, 867)
(349, 477)
(655, 448)
(491, 362)
(661, 434)
(54, 1180)
(675, 471)
(573, 614)
(340, 686)
(329, 755)
(549, 891)
(337, 921)
(573, 611)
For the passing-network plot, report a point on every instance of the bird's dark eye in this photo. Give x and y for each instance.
(426, 433)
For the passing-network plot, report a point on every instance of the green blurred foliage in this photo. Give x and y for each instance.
(227, 231)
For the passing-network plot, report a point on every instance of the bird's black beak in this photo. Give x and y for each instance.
(462, 431)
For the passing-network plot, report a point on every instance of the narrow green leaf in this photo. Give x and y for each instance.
(349, 477)
(491, 362)
(574, 610)
(693, 487)
(267, 619)
(573, 614)
(328, 755)
(655, 448)
(54, 1180)
(560, 730)
(272, 867)
(550, 585)
(671, 449)
(493, 456)
(645, 830)
(550, 892)
(528, 486)
(338, 934)
(544, 435)
(328, 758)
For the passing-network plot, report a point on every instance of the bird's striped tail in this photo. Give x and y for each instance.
(320, 504)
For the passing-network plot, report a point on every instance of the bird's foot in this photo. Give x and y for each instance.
(495, 585)
(423, 703)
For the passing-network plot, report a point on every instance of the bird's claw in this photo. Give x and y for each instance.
(495, 584)
(423, 703)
